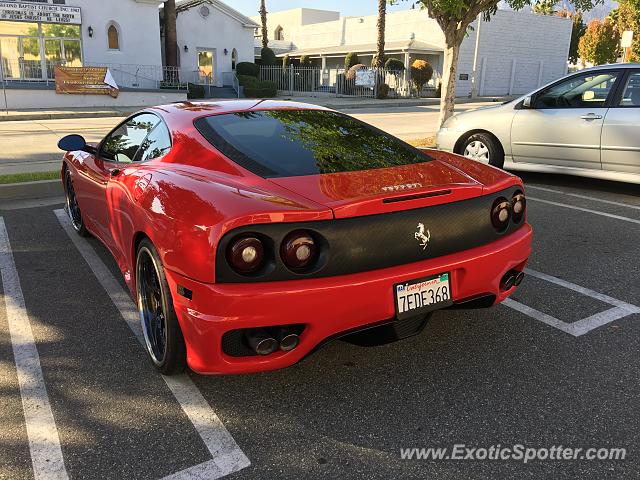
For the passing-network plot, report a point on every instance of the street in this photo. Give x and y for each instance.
(557, 364)
(31, 146)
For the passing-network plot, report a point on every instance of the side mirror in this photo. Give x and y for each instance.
(526, 103)
(71, 143)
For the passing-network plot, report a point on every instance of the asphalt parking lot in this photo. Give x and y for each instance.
(558, 364)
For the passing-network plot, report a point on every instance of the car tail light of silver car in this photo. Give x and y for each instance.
(246, 254)
(500, 214)
(518, 206)
(298, 250)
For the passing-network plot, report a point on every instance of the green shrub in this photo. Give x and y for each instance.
(262, 89)
(383, 91)
(421, 73)
(350, 60)
(247, 68)
(195, 91)
(305, 61)
(267, 57)
(394, 65)
(248, 81)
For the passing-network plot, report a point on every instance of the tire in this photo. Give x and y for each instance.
(483, 148)
(162, 335)
(72, 207)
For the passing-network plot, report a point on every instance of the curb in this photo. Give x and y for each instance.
(29, 190)
(64, 115)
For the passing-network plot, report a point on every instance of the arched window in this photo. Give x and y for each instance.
(234, 58)
(279, 33)
(113, 37)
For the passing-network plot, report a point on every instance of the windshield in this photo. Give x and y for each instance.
(288, 143)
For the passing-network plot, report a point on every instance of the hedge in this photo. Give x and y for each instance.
(262, 89)
(195, 91)
(247, 68)
(267, 57)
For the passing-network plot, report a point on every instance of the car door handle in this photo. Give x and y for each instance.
(591, 116)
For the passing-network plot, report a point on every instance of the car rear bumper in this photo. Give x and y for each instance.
(326, 306)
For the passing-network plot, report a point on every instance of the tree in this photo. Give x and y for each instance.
(421, 73)
(378, 59)
(577, 31)
(394, 65)
(350, 60)
(263, 20)
(600, 43)
(286, 62)
(454, 18)
(267, 56)
(629, 19)
(170, 34)
(545, 7)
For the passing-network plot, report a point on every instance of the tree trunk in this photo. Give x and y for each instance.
(382, 13)
(263, 20)
(451, 54)
(170, 38)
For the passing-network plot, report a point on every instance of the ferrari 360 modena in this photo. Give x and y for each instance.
(250, 233)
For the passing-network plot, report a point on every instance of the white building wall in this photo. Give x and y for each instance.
(215, 32)
(538, 44)
(138, 26)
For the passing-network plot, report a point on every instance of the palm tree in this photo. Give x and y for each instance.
(170, 37)
(263, 20)
(378, 60)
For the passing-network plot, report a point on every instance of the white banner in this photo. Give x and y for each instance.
(34, 12)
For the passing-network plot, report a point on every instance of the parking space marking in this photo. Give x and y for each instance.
(227, 455)
(42, 433)
(620, 309)
(585, 197)
(596, 212)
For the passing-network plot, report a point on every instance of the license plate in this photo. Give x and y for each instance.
(422, 295)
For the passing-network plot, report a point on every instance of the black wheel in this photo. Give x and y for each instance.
(483, 148)
(72, 207)
(160, 327)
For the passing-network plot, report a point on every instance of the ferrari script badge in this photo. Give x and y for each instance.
(422, 237)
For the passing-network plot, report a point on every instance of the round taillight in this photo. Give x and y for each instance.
(298, 250)
(245, 254)
(500, 213)
(518, 206)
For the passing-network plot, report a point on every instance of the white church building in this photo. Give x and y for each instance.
(123, 35)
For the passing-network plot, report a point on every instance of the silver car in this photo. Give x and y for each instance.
(587, 123)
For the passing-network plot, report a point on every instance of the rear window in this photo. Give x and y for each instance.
(289, 143)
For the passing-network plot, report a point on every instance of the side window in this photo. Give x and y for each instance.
(631, 93)
(122, 144)
(156, 145)
(584, 91)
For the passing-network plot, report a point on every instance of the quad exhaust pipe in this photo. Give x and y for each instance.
(266, 341)
(511, 279)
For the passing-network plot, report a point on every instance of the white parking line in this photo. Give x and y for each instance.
(596, 212)
(620, 309)
(227, 455)
(585, 197)
(44, 442)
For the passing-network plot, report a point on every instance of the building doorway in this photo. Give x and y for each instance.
(206, 59)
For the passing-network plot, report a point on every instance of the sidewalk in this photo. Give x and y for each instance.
(338, 103)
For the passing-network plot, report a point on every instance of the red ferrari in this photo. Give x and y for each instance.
(252, 232)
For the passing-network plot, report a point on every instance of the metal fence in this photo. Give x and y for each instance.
(125, 75)
(366, 83)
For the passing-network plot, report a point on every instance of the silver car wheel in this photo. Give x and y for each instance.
(478, 151)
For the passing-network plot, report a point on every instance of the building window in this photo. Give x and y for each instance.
(113, 37)
(234, 58)
(279, 33)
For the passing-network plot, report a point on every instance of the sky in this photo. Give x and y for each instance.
(345, 7)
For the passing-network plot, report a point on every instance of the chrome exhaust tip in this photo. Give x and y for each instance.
(519, 278)
(261, 342)
(507, 281)
(288, 341)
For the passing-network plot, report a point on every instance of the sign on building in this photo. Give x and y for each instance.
(86, 81)
(45, 13)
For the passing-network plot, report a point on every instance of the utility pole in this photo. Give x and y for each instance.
(474, 73)
(4, 87)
